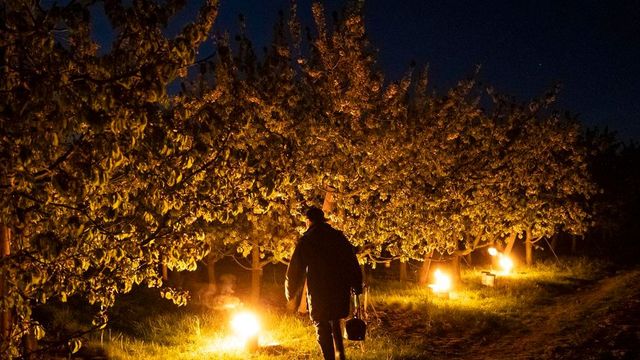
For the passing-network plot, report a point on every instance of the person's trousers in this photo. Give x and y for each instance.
(329, 335)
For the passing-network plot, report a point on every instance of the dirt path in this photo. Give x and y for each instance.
(579, 320)
(601, 321)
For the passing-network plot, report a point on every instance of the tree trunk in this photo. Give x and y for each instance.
(574, 244)
(165, 273)
(510, 241)
(423, 278)
(5, 248)
(28, 343)
(528, 247)
(28, 340)
(403, 272)
(211, 273)
(476, 242)
(256, 273)
(455, 268)
(366, 275)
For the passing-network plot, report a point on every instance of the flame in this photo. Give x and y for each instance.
(443, 282)
(245, 324)
(505, 263)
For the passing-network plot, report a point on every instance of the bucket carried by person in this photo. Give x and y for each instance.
(356, 327)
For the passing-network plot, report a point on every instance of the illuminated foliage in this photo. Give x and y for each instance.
(410, 171)
(104, 177)
(99, 181)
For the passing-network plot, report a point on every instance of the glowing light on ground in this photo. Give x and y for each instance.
(442, 282)
(506, 264)
(245, 324)
(504, 261)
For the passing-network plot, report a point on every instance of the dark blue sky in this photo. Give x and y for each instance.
(524, 46)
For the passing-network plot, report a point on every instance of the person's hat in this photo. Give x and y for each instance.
(315, 215)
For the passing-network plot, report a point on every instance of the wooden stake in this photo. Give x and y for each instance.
(403, 271)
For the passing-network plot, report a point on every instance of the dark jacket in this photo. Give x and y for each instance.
(328, 261)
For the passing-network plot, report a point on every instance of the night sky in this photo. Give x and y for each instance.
(592, 48)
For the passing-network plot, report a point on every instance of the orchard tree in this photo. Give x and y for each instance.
(258, 93)
(445, 141)
(102, 178)
(454, 183)
(310, 103)
(416, 172)
(550, 184)
(339, 120)
(502, 170)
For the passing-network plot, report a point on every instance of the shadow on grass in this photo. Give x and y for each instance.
(133, 312)
(440, 328)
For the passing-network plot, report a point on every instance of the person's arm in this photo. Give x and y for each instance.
(355, 270)
(294, 279)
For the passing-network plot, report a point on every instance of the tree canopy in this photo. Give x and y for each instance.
(105, 177)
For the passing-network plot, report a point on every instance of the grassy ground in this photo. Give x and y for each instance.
(549, 311)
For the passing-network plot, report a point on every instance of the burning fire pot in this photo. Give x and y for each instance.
(246, 325)
(442, 284)
(505, 262)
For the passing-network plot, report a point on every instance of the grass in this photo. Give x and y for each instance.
(187, 335)
(406, 321)
(513, 293)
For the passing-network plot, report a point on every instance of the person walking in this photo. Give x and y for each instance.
(327, 260)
